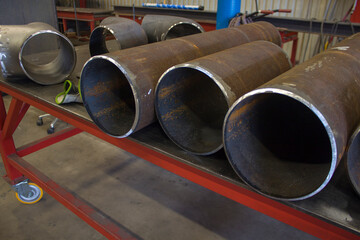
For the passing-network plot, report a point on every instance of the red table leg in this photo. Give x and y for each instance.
(16, 112)
(64, 25)
(92, 25)
(2, 112)
(293, 51)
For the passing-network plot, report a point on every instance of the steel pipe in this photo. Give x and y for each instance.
(191, 99)
(118, 88)
(162, 27)
(353, 160)
(286, 138)
(35, 50)
(127, 33)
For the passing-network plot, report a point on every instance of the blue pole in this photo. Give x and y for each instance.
(226, 10)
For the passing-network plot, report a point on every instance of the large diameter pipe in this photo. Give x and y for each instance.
(118, 88)
(191, 99)
(286, 138)
(353, 160)
(36, 51)
(162, 27)
(127, 33)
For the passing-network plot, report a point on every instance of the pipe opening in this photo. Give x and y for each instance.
(108, 96)
(278, 146)
(103, 41)
(181, 30)
(191, 109)
(353, 162)
(50, 64)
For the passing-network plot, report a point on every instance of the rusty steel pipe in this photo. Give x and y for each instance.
(286, 138)
(36, 51)
(118, 88)
(191, 99)
(352, 161)
(162, 27)
(127, 33)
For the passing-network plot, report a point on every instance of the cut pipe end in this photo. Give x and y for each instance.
(280, 144)
(109, 97)
(191, 107)
(98, 39)
(182, 29)
(353, 160)
(54, 66)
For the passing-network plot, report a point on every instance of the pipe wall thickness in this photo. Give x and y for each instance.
(286, 138)
(127, 34)
(23, 53)
(162, 27)
(191, 99)
(118, 88)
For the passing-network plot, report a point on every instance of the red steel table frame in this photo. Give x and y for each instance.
(80, 16)
(17, 169)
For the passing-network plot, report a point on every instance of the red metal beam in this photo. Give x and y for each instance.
(208, 26)
(287, 36)
(47, 141)
(82, 3)
(79, 15)
(293, 51)
(7, 145)
(21, 115)
(274, 209)
(106, 226)
(11, 120)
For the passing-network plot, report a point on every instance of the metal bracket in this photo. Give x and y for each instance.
(23, 189)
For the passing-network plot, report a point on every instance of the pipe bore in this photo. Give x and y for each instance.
(191, 99)
(163, 27)
(191, 108)
(353, 160)
(48, 67)
(279, 144)
(182, 29)
(102, 41)
(109, 97)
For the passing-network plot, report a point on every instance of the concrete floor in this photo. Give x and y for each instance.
(149, 201)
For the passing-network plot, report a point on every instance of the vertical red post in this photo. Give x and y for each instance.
(82, 3)
(293, 51)
(92, 25)
(2, 112)
(64, 25)
(9, 125)
(355, 16)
